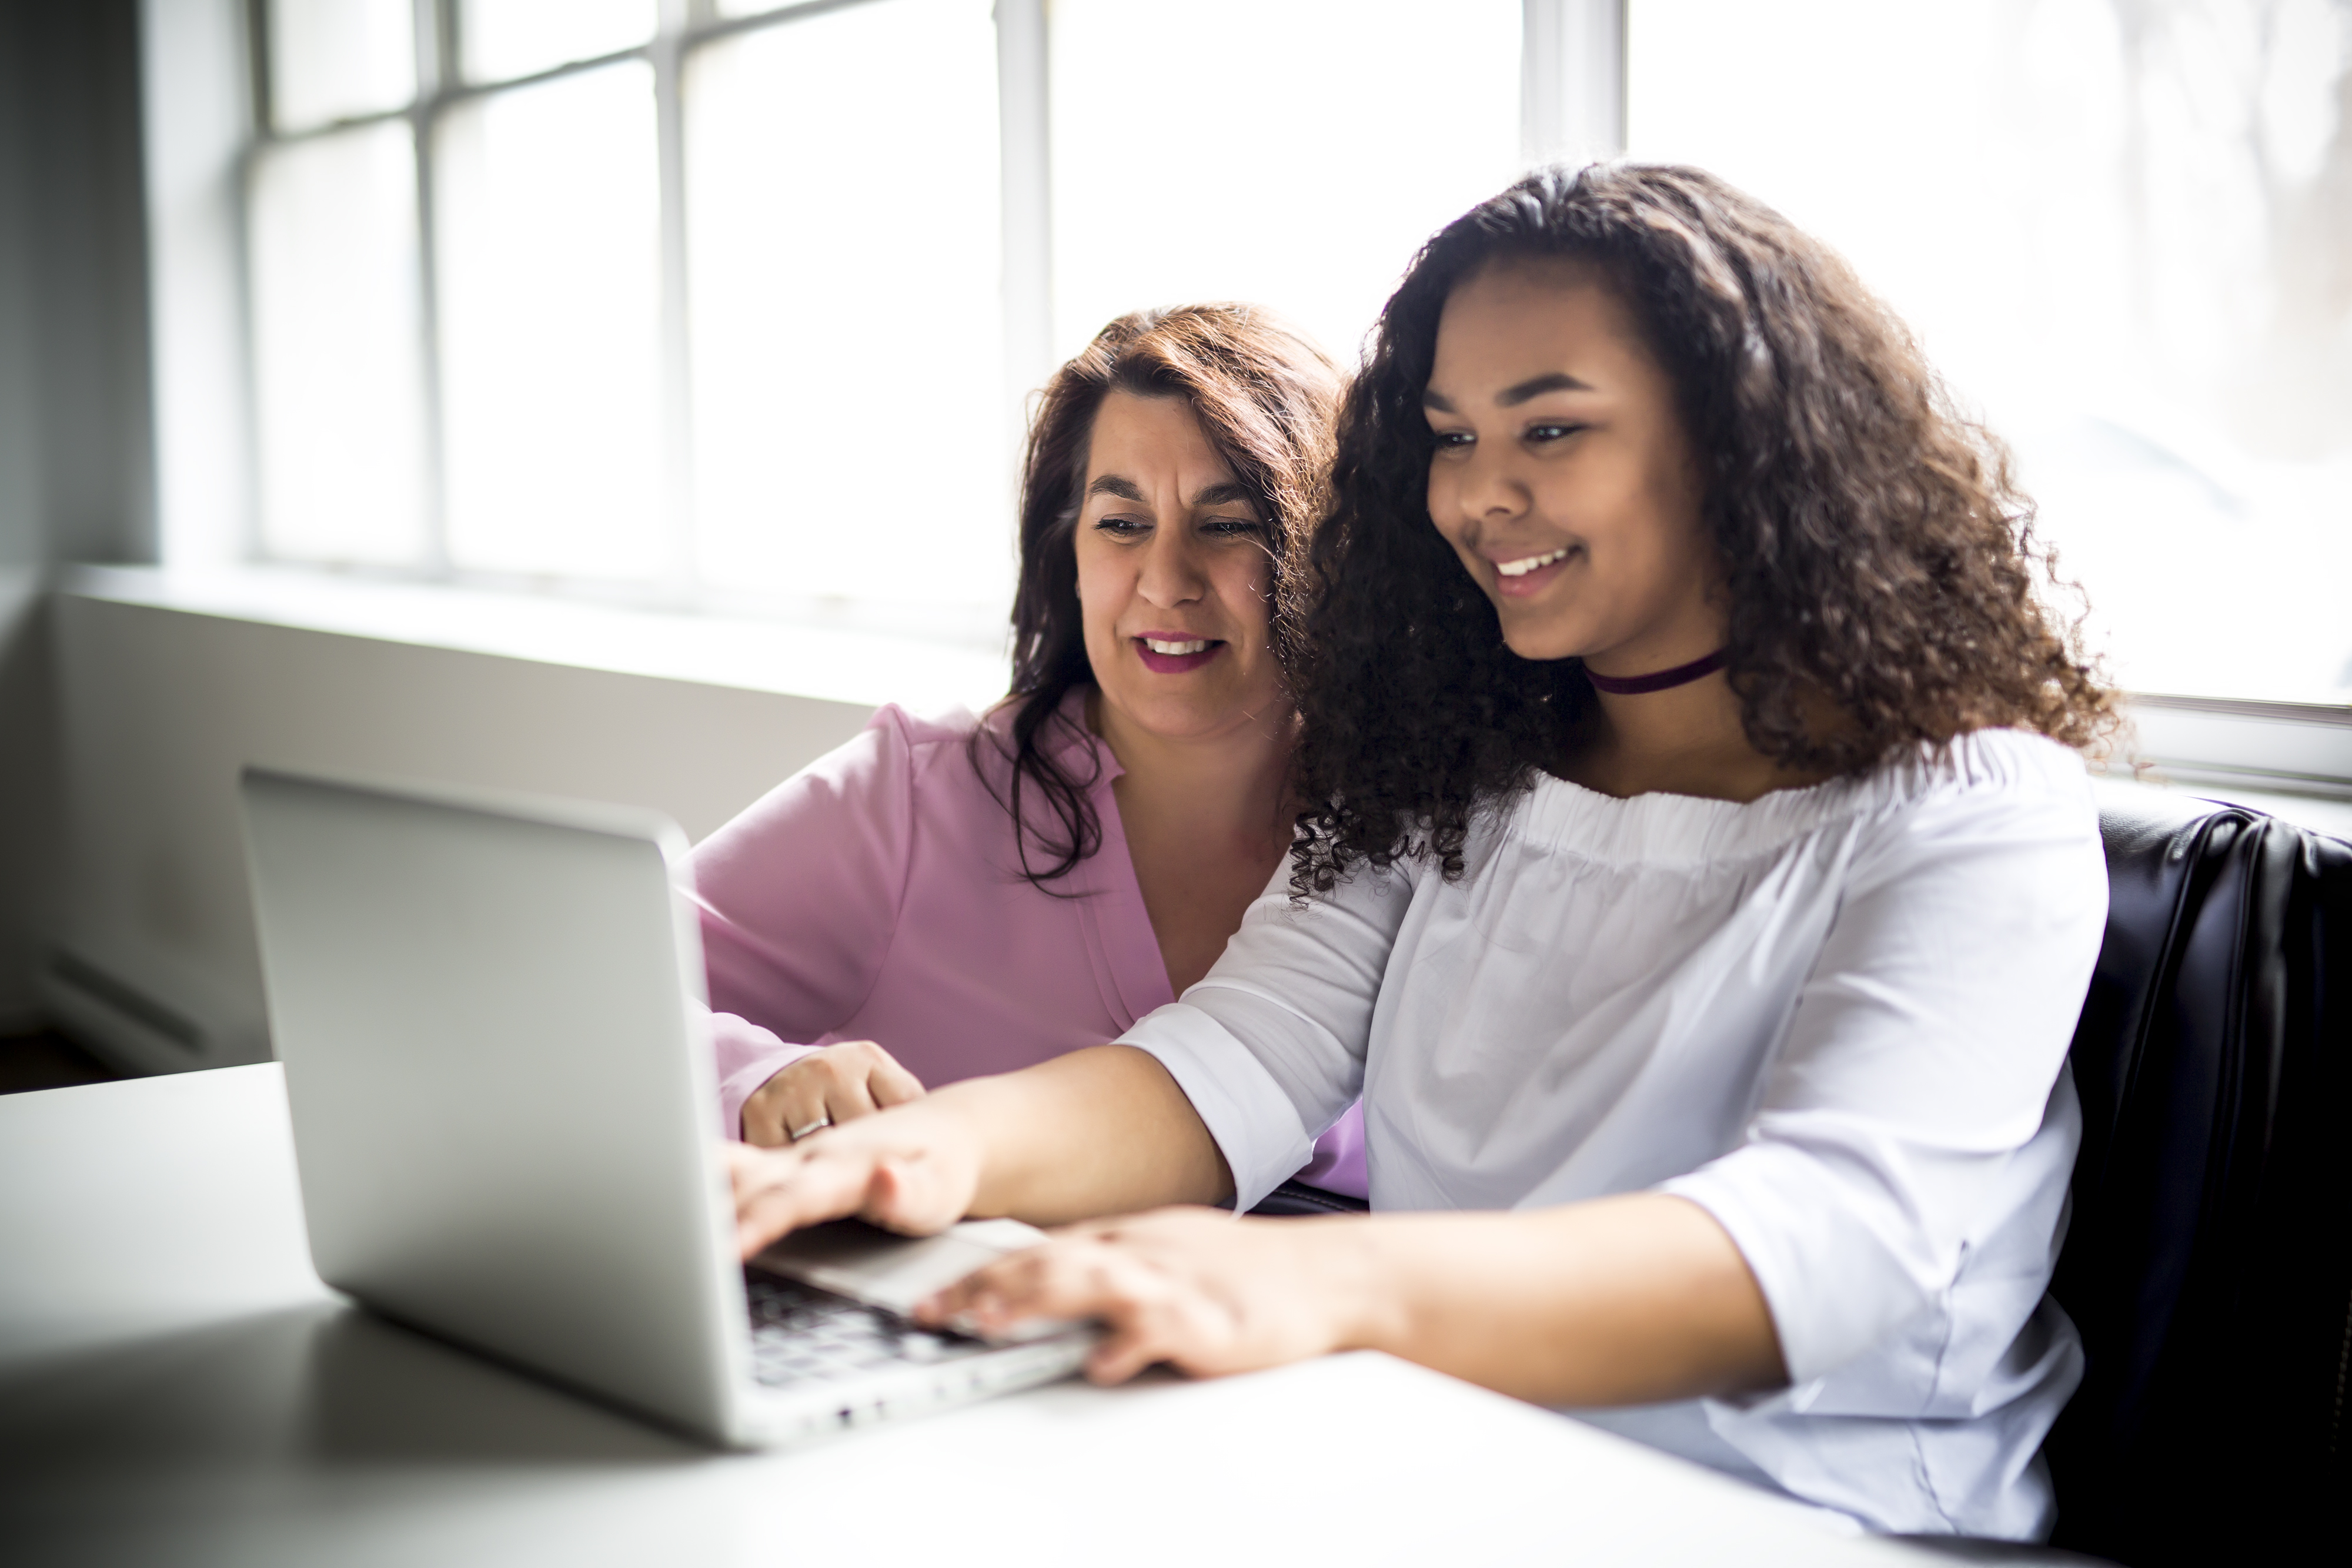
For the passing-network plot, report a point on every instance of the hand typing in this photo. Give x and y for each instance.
(913, 1171)
(1192, 1287)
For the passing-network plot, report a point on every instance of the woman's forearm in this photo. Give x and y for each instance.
(1624, 1300)
(1100, 1131)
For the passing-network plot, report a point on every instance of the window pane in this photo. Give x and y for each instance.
(504, 38)
(332, 59)
(1292, 152)
(550, 319)
(337, 344)
(2120, 231)
(852, 425)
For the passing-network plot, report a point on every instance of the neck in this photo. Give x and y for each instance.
(1687, 741)
(1230, 784)
(1699, 716)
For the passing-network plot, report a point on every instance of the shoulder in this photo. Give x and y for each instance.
(1978, 782)
(902, 729)
(2001, 805)
(873, 771)
(1993, 772)
(2009, 761)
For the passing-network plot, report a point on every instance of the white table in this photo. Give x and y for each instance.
(177, 1387)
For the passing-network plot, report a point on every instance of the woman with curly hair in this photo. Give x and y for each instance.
(1700, 885)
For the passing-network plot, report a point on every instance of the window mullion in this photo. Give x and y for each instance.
(678, 522)
(1025, 147)
(1573, 79)
(437, 46)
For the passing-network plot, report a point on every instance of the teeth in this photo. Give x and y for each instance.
(1522, 567)
(1199, 645)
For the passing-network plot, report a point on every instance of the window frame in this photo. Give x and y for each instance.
(1572, 100)
(682, 26)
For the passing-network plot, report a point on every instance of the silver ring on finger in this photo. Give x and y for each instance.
(819, 1126)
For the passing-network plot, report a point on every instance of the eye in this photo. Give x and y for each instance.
(1542, 434)
(1122, 528)
(1452, 440)
(1233, 527)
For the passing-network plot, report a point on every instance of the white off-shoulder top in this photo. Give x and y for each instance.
(1835, 1018)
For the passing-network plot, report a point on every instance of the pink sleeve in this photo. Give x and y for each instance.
(800, 899)
(1338, 1162)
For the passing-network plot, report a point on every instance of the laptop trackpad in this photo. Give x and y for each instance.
(882, 1269)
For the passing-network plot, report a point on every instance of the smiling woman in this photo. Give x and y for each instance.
(1214, 420)
(949, 896)
(1874, 576)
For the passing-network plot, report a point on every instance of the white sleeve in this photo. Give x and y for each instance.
(1918, 1062)
(1269, 1045)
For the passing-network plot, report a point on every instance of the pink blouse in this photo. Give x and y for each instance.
(876, 895)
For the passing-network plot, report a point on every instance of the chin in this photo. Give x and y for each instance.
(1541, 646)
(1191, 720)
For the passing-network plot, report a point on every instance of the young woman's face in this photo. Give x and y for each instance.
(1562, 477)
(1175, 576)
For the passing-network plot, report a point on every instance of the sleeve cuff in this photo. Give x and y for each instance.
(1828, 1305)
(745, 1073)
(1256, 1127)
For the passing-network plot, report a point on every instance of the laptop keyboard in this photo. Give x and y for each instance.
(802, 1334)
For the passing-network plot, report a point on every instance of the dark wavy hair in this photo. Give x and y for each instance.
(1266, 398)
(1876, 549)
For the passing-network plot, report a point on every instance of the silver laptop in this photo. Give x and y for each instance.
(489, 1012)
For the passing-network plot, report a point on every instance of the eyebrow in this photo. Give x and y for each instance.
(1511, 397)
(1222, 494)
(1536, 386)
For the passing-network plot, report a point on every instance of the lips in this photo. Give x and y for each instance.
(1175, 653)
(1523, 576)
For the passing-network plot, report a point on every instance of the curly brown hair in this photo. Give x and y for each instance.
(1266, 398)
(1876, 548)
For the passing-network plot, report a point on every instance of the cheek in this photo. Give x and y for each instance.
(1445, 514)
(1099, 591)
(1246, 588)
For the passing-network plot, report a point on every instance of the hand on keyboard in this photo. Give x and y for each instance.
(908, 1170)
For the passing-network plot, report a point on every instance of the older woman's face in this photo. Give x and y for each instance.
(1174, 575)
(1562, 477)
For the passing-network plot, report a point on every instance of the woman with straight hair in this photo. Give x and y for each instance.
(946, 897)
(1698, 882)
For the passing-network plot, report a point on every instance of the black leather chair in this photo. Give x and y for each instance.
(2208, 1264)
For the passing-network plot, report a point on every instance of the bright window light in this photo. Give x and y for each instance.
(851, 416)
(1291, 153)
(506, 39)
(2126, 251)
(337, 341)
(550, 298)
(335, 60)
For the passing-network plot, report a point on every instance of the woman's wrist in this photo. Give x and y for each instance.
(1361, 1304)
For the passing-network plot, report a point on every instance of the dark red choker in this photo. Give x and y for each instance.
(1680, 676)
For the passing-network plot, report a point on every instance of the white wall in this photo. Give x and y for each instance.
(161, 707)
(75, 475)
(28, 808)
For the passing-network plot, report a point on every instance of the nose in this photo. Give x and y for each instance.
(1172, 572)
(1488, 485)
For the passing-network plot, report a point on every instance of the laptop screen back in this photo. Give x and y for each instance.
(482, 1007)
